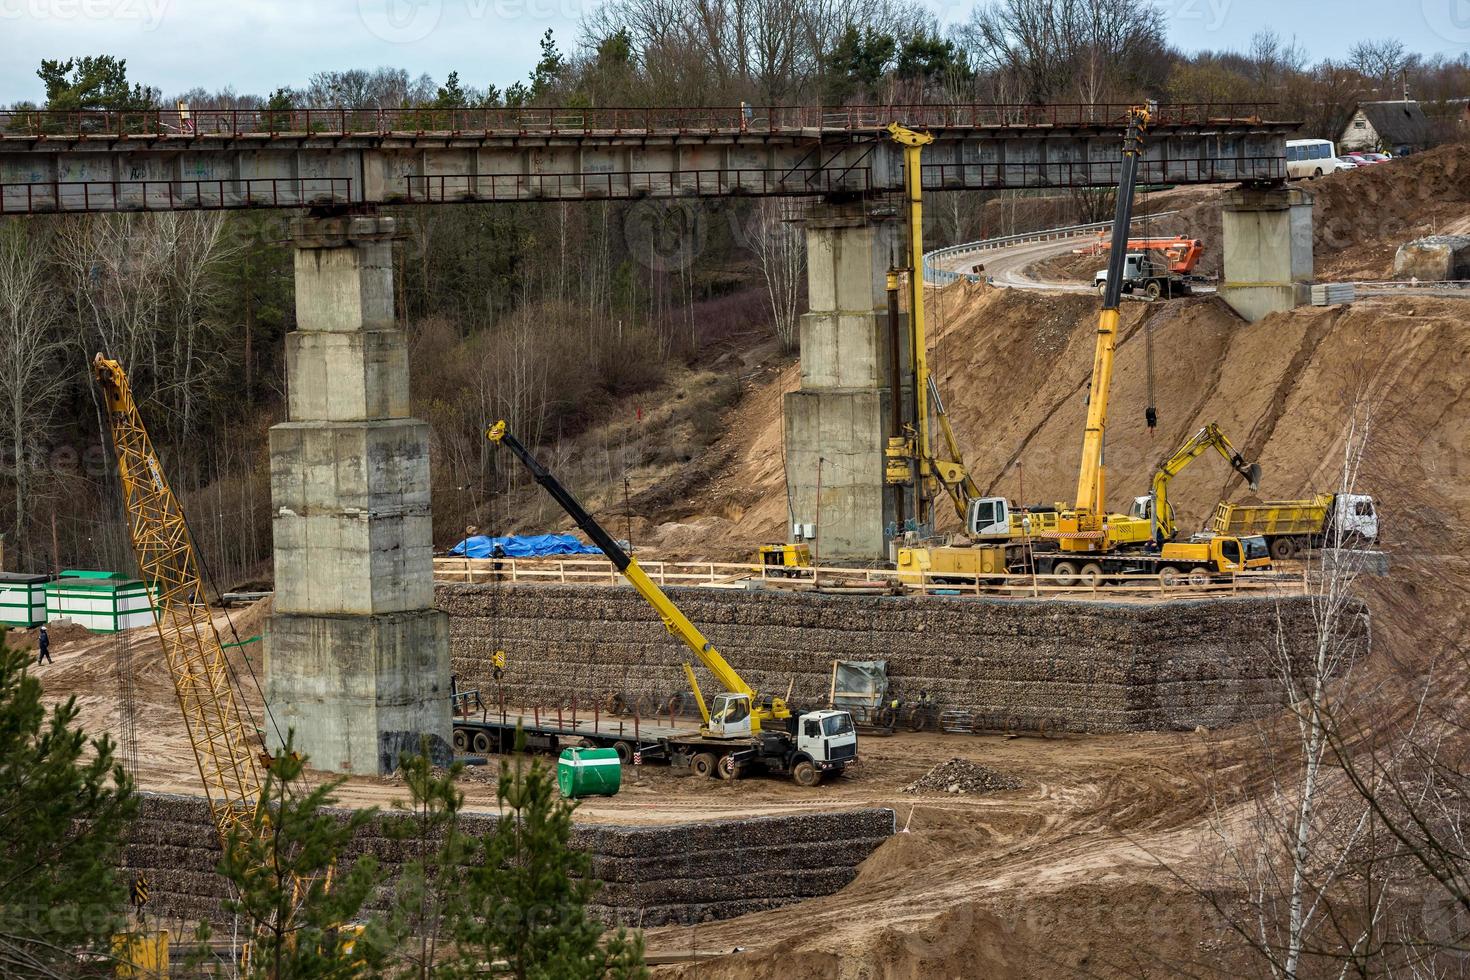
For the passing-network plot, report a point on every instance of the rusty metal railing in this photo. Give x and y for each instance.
(194, 124)
(83, 196)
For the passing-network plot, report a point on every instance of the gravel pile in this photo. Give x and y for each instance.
(962, 776)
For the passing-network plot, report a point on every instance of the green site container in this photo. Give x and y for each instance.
(589, 772)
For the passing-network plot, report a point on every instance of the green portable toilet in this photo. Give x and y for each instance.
(589, 772)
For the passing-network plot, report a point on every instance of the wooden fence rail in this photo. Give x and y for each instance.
(734, 575)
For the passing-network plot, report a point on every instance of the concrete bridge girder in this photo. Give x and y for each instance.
(48, 174)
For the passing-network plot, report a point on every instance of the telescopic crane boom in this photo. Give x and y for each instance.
(674, 621)
(1090, 528)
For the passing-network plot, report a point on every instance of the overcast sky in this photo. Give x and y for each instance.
(257, 45)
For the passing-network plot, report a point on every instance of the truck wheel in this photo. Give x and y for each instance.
(461, 740)
(481, 742)
(729, 768)
(1283, 549)
(704, 765)
(1102, 287)
(886, 717)
(1090, 575)
(1153, 291)
(919, 720)
(1199, 576)
(1065, 574)
(624, 751)
(1170, 576)
(805, 774)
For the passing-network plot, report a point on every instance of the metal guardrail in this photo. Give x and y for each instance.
(734, 575)
(943, 277)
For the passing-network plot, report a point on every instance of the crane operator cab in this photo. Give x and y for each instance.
(729, 716)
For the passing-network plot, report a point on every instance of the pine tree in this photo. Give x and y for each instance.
(65, 804)
(427, 896)
(526, 900)
(279, 865)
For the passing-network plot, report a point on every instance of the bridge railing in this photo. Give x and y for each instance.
(173, 195)
(194, 123)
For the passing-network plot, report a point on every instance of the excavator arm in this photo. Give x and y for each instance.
(674, 621)
(1209, 437)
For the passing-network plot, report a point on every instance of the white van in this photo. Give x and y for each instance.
(1313, 158)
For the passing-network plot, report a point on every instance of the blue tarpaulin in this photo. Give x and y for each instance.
(523, 546)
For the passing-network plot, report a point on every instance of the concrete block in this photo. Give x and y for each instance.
(1267, 241)
(1438, 258)
(351, 520)
(844, 350)
(341, 377)
(345, 288)
(360, 691)
(835, 442)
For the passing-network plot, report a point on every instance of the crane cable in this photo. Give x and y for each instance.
(1151, 410)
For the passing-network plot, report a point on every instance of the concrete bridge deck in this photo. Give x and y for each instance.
(210, 159)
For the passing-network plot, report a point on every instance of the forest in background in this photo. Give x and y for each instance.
(548, 315)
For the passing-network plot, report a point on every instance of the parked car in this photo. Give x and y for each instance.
(1377, 157)
(1356, 159)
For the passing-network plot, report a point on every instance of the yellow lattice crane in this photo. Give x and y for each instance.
(219, 730)
(217, 727)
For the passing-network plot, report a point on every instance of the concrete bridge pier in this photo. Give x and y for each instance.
(837, 424)
(357, 658)
(1267, 238)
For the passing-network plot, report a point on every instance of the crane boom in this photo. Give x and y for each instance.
(674, 621)
(1091, 481)
(169, 566)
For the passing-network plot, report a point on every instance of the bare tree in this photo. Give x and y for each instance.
(33, 349)
(780, 246)
(1382, 60)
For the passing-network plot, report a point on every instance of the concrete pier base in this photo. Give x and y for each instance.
(357, 660)
(1267, 237)
(837, 424)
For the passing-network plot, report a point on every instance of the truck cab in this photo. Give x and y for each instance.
(1224, 554)
(1355, 517)
(828, 738)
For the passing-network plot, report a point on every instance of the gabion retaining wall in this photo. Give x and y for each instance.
(1013, 663)
(651, 875)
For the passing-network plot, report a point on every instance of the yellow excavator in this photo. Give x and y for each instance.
(742, 728)
(1154, 506)
(219, 730)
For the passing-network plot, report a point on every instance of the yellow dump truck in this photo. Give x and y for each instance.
(1292, 526)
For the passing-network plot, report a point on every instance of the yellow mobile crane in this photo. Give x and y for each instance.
(741, 728)
(218, 728)
(1154, 506)
(1091, 542)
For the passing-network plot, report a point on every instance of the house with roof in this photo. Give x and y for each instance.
(1386, 127)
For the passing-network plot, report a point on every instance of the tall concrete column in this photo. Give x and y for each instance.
(357, 660)
(837, 423)
(1267, 238)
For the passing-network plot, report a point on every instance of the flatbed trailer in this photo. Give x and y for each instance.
(639, 741)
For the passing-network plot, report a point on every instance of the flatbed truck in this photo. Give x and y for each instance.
(743, 732)
(639, 741)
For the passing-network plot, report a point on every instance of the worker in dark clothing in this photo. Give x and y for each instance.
(45, 655)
